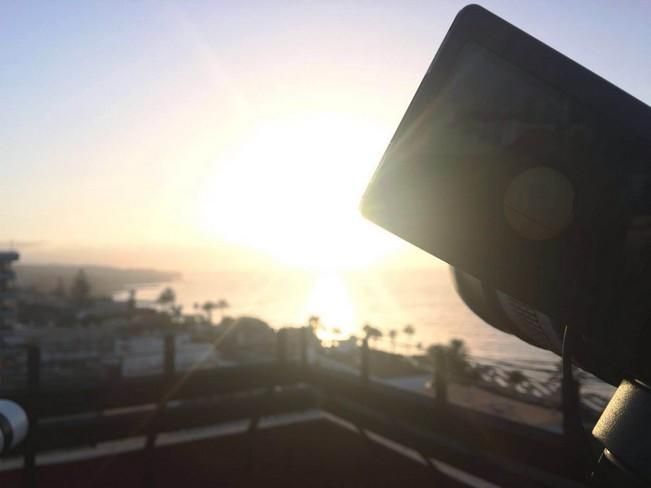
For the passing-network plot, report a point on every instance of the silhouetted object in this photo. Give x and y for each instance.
(7, 297)
(177, 313)
(105, 280)
(208, 307)
(154, 422)
(131, 301)
(515, 378)
(459, 436)
(371, 332)
(457, 358)
(364, 362)
(80, 289)
(29, 479)
(314, 323)
(167, 297)
(409, 331)
(245, 335)
(530, 175)
(625, 433)
(169, 356)
(392, 337)
(222, 305)
(440, 379)
(59, 290)
(304, 345)
(281, 346)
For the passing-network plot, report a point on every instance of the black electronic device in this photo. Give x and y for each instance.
(531, 176)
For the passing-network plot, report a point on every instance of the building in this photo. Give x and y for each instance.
(7, 292)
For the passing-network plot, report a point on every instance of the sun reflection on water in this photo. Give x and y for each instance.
(331, 301)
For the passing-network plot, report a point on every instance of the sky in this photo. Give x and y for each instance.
(235, 134)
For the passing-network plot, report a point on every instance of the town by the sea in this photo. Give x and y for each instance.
(347, 300)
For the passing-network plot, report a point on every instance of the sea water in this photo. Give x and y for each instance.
(347, 300)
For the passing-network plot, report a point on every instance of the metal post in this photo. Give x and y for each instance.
(29, 478)
(169, 366)
(303, 337)
(169, 357)
(570, 403)
(281, 346)
(364, 363)
(576, 446)
(440, 376)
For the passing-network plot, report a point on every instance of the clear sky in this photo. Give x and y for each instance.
(189, 133)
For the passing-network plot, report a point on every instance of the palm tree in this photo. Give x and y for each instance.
(376, 334)
(208, 307)
(392, 336)
(167, 298)
(177, 312)
(222, 305)
(458, 347)
(367, 329)
(409, 331)
(371, 332)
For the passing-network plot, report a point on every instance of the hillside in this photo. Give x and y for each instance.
(104, 280)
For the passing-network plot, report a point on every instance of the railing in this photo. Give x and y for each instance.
(536, 382)
(183, 399)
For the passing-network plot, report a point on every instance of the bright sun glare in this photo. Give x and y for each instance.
(292, 189)
(330, 300)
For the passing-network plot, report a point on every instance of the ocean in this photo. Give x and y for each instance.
(345, 301)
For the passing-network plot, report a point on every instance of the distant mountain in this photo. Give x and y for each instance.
(104, 280)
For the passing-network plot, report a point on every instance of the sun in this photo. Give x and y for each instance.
(292, 188)
(330, 300)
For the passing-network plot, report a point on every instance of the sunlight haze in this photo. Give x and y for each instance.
(238, 129)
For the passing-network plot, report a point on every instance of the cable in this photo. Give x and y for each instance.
(578, 442)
